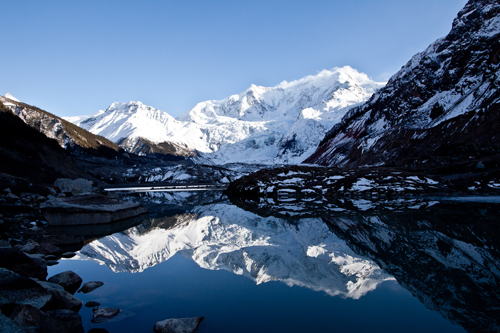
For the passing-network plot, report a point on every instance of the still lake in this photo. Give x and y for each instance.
(420, 266)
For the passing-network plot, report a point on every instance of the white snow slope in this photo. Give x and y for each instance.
(281, 124)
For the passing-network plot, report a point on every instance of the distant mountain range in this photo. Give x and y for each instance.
(282, 124)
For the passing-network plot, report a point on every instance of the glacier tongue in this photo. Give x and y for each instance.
(280, 124)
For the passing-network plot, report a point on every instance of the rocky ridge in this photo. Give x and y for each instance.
(69, 136)
(441, 107)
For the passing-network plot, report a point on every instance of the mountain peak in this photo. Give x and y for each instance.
(259, 124)
(9, 96)
(442, 98)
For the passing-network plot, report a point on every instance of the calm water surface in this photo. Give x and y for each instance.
(429, 268)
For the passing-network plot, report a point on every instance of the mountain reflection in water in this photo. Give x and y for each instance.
(445, 254)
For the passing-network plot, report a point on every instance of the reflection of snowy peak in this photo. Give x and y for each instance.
(307, 254)
(285, 122)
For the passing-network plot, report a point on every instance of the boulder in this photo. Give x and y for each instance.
(68, 255)
(69, 280)
(8, 326)
(104, 314)
(21, 290)
(22, 264)
(29, 247)
(178, 325)
(92, 304)
(47, 248)
(61, 299)
(90, 286)
(26, 316)
(75, 187)
(61, 321)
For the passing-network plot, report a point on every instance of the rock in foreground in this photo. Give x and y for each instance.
(69, 280)
(90, 286)
(88, 209)
(104, 314)
(178, 325)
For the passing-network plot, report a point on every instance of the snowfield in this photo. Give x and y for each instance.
(281, 124)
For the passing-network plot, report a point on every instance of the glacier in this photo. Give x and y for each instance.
(281, 124)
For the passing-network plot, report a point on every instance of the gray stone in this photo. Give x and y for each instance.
(5, 244)
(104, 314)
(26, 316)
(30, 247)
(178, 325)
(90, 286)
(479, 165)
(75, 187)
(21, 290)
(68, 254)
(92, 304)
(22, 264)
(8, 326)
(88, 210)
(61, 321)
(69, 280)
(47, 248)
(50, 257)
(52, 191)
(61, 299)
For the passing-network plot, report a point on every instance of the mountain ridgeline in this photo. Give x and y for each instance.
(69, 136)
(441, 108)
(282, 124)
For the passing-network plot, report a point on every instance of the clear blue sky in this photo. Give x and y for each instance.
(76, 57)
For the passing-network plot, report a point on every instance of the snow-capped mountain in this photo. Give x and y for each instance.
(140, 129)
(222, 236)
(284, 123)
(442, 98)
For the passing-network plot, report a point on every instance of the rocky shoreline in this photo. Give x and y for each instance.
(32, 239)
(316, 191)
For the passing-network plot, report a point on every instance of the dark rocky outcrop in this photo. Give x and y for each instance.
(68, 135)
(439, 112)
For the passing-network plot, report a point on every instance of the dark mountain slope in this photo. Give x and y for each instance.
(441, 109)
(27, 153)
(69, 136)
